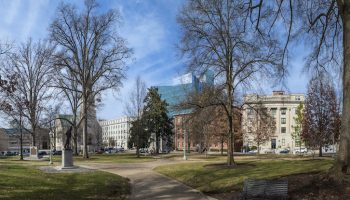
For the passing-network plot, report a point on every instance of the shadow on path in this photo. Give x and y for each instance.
(147, 184)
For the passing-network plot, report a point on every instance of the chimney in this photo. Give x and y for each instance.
(277, 93)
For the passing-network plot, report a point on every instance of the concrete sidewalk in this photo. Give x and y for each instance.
(147, 184)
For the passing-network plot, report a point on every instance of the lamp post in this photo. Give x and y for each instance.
(51, 137)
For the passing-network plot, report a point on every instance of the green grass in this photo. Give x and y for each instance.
(113, 158)
(21, 180)
(217, 178)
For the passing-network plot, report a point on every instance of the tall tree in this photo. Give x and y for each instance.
(31, 64)
(297, 128)
(134, 108)
(67, 82)
(321, 122)
(218, 35)
(156, 114)
(326, 25)
(91, 50)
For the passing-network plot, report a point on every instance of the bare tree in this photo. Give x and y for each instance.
(134, 108)
(91, 50)
(31, 65)
(218, 36)
(67, 82)
(321, 121)
(325, 24)
(49, 122)
(199, 124)
(14, 111)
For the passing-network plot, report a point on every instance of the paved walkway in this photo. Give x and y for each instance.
(147, 184)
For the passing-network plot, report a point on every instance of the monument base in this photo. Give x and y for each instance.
(34, 154)
(67, 159)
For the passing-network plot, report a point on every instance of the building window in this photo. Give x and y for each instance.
(283, 120)
(283, 129)
(283, 142)
(283, 111)
(273, 111)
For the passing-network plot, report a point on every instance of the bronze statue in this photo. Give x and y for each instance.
(68, 137)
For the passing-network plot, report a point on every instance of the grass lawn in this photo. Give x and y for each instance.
(114, 158)
(218, 178)
(21, 180)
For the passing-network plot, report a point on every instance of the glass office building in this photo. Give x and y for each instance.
(185, 84)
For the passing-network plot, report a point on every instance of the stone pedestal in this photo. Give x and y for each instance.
(34, 154)
(67, 159)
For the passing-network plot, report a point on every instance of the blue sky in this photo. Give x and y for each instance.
(151, 30)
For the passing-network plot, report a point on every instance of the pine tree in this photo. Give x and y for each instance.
(157, 120)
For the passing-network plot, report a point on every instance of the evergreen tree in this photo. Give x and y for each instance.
(157, 120)
(139, 135)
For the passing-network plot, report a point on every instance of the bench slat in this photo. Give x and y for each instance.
(265, 188)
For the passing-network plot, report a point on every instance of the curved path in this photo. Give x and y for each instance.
(147, 184)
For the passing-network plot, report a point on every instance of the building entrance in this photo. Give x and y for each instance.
(273, 143)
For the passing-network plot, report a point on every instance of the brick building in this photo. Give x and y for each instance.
(216, 134)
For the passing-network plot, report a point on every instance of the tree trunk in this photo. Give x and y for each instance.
(137, 151)
(75, 140)
(85, 150)
(222, 146)
(21, 140)
(33, 135)
(157, 143)
(230, 159)
(320, 151)
(343, 158)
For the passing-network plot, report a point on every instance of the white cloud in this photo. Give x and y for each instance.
(145, 34)
(32, 19)
(11, 11)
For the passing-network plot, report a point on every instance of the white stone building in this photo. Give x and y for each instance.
(283, 108)
(115, 132)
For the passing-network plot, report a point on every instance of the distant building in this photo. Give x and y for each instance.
(94, 131)
(10, 139)
(218, 135)
(178, 92)
(283, 108)
(115, 132)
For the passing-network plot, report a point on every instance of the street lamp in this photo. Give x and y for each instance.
(51, 135)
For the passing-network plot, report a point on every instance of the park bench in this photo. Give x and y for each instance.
(264, 189)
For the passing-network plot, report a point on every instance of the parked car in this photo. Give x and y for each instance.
(9, 153)
(100, 151)
(253, 151)
(300, 150)
(120, 149)
(42, 153)
(284, 151)
(270, 151)
(143, 150)
(57, 153)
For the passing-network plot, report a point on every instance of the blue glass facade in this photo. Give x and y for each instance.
(176, 94)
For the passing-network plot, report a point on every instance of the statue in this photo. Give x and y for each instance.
(68, 138)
